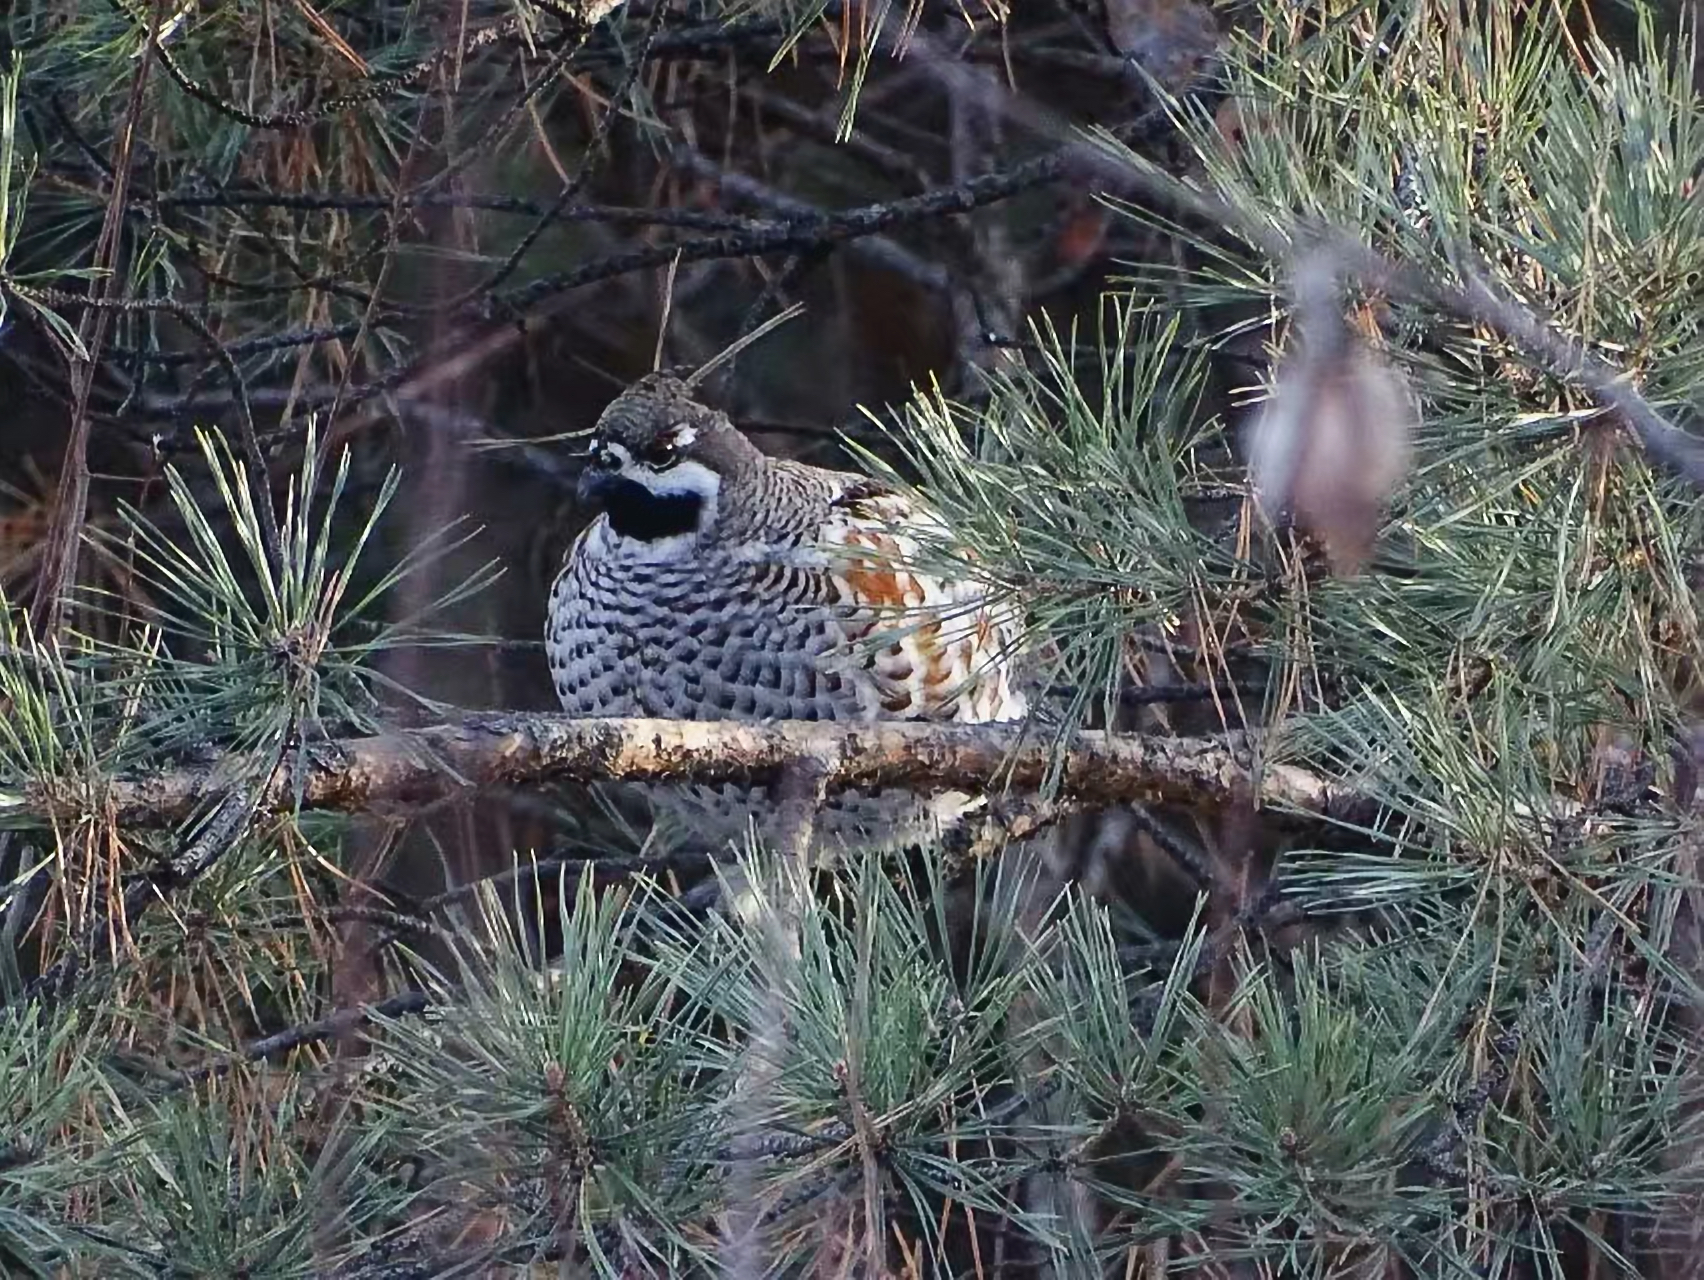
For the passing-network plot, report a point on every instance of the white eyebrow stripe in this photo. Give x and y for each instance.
(684, 434)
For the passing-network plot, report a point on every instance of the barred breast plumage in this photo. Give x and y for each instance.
(719, 583)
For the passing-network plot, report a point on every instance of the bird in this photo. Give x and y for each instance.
(717, 582)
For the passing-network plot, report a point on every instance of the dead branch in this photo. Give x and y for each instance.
(409, 768)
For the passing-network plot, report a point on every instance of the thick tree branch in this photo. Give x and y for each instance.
(414, 767)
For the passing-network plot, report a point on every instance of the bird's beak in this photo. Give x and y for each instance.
(594, 485)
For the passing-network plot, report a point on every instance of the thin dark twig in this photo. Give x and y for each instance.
(753, 239)
(572, 866)
(894, 164)
(221, 356)
(583, 171)
(351, 202)
(334, 283)
(328, 1028)
(370, 312)
(370, 91)
(486, 142)
(877, 249)
(832, 228)
(264, 344)
(774, 294)
(64, 535)
(221, 831)
(1190, 860)
(704, 39)
(67, 126)
(1159, 695)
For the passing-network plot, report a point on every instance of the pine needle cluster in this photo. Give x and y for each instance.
(1452, 1034)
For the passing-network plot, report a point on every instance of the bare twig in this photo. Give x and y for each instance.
(839, 226)
(546, 212)
(65, 534)
(327, 1028)
(492, 317)
(878, 250)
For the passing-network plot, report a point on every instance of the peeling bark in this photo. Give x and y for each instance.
(410, 768)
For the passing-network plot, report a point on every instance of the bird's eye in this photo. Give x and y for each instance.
(663, 454)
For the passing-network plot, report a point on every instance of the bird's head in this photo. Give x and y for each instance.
(659, 463)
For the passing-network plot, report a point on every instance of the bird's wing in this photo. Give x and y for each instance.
(936, 646)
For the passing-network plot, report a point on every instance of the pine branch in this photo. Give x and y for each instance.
(416, 767)
(377, 89)
(223, 828)
(1477, 299)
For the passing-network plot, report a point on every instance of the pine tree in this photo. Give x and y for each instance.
(1336, 916)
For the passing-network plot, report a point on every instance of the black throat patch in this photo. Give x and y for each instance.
(635, 512)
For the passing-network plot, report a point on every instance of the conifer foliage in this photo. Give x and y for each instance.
(1321, 388)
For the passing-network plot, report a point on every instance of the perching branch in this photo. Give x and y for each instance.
(409, 768)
